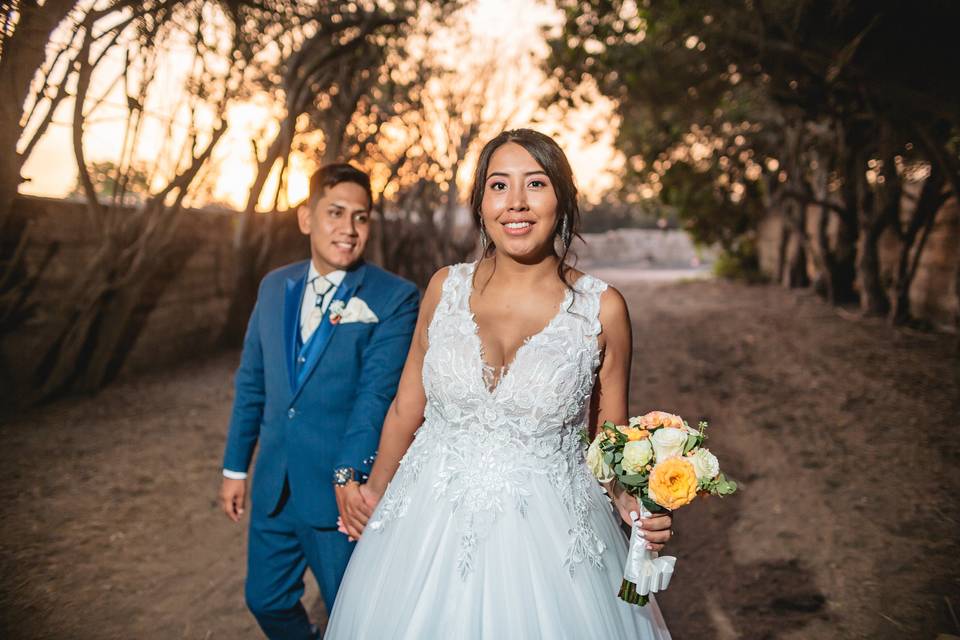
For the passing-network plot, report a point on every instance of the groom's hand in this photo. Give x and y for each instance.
(233, 497)
(354, 510)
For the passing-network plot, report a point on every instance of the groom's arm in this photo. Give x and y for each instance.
(383, 359)
(247, 404)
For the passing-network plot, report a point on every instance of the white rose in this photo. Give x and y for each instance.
(705, 464)
(597, 464)
(636, 455)
(668, 442)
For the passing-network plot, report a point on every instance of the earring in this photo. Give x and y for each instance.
(484, 240)
(565, 231)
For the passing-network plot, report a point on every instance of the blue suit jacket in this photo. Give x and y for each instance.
(326, 411)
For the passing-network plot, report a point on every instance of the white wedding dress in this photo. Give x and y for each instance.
(493, 526)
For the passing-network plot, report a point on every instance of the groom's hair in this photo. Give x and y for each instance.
(331, 175)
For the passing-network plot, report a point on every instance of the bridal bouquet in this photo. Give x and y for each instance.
(661, 460)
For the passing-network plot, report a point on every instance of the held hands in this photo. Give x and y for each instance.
(233, 498)
(356, 503)
(655, 529)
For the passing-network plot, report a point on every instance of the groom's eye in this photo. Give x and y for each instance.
(361, 218)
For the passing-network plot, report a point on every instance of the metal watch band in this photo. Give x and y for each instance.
(343, 475)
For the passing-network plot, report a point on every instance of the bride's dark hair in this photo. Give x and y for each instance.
(550, 156)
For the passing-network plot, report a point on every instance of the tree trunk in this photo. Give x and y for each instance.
(921, 222)
(843, 261)
(782, 248)
(24, 51)
(956, 289)
(796, 275)
(839, 253)
(246, 248)
(872, 221)
(873, 298)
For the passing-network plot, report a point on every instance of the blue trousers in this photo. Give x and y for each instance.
(280, 548)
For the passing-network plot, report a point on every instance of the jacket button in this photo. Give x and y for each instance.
(301, 359)
(291, 413)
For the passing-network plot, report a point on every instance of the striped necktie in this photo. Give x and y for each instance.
(322, 288)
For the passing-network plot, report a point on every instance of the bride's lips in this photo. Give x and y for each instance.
(518, 228)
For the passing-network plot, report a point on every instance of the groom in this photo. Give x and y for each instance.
(321, 360)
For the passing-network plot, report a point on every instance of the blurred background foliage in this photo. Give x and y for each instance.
(731, 109)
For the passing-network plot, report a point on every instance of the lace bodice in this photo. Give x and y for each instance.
(484, 445)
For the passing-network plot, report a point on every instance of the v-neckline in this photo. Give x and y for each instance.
(507, 368)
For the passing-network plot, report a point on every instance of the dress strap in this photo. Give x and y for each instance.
(586, 301)
(455, 289)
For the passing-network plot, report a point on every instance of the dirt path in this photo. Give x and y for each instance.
(840, 432)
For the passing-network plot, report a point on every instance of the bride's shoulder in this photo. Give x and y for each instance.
(614, 313)
(612, 305)
(438, 281)
(584, 282)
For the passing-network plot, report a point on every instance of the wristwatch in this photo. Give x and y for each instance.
(344, 475)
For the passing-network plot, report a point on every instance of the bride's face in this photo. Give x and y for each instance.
(519, 206)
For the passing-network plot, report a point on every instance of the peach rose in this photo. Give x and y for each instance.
(673, 483)
(656, 419)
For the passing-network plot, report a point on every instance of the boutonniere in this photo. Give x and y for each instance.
(356, 310)
(336, 311)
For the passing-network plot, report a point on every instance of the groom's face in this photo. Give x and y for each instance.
(338, 226)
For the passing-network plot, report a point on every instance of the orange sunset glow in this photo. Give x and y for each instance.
(519, 88)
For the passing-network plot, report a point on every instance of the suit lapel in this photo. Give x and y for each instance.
(292, 300)
(321, 338)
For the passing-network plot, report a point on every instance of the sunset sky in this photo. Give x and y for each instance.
(51, 168)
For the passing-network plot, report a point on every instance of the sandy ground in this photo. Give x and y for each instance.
(842, 432)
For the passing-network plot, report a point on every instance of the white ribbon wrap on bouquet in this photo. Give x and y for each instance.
(644, 567)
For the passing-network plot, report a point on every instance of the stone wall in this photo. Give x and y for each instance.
(932, 294)
(185, 308)
(641, 248)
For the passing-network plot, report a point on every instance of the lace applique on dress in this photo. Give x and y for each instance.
(483, 442)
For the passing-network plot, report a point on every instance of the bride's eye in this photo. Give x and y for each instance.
(538, 183)
(498, 185)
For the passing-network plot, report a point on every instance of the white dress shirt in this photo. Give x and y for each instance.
(311, 292)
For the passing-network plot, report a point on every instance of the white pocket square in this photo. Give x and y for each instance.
(356, 310)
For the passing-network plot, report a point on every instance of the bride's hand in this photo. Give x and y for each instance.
(656, 529)
(371, 497)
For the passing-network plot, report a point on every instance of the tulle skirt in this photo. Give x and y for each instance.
(403, 581)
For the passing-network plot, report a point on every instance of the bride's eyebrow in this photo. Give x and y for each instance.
(506, 175)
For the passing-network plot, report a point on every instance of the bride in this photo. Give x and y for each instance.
(487, 522)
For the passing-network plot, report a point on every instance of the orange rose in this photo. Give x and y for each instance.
(673, 483)
(634, 433)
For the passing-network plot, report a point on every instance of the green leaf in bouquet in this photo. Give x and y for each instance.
(585, 436)
(690, 443)
(651, 506)
(608, 457)
(618, 456)
(722, 486)
(634, 479)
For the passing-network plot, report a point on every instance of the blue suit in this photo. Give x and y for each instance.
(312, 407)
